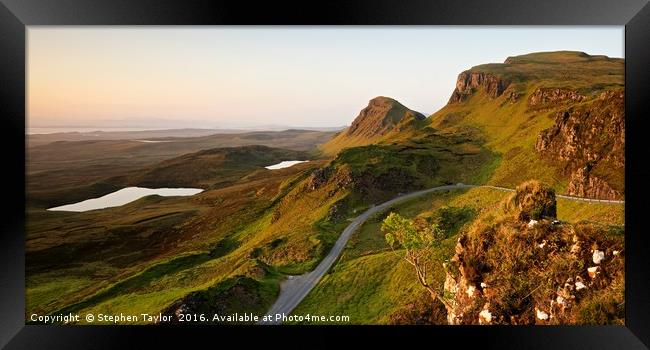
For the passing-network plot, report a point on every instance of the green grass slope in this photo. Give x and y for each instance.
(373, 285)
(509, 123)
(97, 257)
(210, 168)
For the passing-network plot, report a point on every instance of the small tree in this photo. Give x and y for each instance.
(417, 238)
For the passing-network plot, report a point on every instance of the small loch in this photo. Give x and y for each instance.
(285, 164)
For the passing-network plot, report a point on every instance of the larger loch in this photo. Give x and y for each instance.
(124, 196)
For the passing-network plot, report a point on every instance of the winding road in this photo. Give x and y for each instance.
(295, 288)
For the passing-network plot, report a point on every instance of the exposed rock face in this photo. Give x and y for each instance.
(340, 178)
(380, 117)
(584, 184)
(318, 178)
(588, 141)
(545, 97)
(462, 307)
(513, 96)
(468, 82)
(383, 119)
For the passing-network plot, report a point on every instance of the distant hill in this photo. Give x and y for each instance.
(212, 167)
(382, 119)
(68, 171)
(41, 136)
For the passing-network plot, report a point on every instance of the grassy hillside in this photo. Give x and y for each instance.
(148, 255)
(210, 168)
(132, 250)
(228, 248)
(510, 124)
(379, 172)
(373, 285)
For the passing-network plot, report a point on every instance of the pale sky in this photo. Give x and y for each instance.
(225, 77)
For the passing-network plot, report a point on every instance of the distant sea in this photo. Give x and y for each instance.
(32, 131)
(54, 130)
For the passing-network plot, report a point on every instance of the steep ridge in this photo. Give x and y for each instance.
(553, 116)
(557, 117)
(382, 119)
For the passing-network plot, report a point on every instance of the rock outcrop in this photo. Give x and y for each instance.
(381, 116)
(469, 82)
(533, 201)
(584, 184)
(240, 294)
(324, 183)
(551, 97)
(508, 271)
(588, 142)
(340, 178)
(383, 119)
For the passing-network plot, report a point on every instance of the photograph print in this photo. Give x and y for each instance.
(325, 175)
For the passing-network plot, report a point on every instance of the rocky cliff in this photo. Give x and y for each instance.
(469, 82)
(552, 97)
(588, 142)
(580, 150)
(381, 116)
(384, 118)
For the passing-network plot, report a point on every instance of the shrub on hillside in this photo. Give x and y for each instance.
(421, 311)
(533, 200)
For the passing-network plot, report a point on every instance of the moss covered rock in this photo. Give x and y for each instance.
(534, 200)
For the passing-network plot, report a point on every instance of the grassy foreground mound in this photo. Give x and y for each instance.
(522, 266)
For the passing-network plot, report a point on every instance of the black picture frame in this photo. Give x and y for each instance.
(15, 15)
